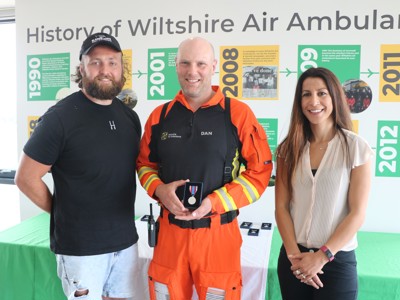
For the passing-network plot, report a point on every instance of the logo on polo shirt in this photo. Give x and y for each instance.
(165, 135)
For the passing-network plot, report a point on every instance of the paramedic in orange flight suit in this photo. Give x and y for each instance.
(192, 140)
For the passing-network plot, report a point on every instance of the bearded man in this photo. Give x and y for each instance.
(89, 141)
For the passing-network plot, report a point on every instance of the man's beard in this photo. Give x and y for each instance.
(97, 91)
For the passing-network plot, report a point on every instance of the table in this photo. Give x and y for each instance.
(28, 268)
(26, 261)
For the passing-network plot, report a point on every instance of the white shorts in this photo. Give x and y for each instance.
(113, 274)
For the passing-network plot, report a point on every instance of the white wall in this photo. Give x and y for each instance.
(49, 16)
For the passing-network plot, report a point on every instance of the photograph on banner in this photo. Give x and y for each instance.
(358, 94)
(249, 72)
(388, 149)
(48, 76)
(389, 81)
(162, 81)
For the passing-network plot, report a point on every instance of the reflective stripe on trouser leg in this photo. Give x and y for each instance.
(215, 294)
(161, 291)
(220, 286)
(158, 290)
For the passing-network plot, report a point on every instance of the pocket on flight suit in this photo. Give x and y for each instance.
(260, 142)
(161, 281)
(221, 286)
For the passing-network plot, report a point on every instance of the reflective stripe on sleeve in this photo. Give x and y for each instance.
(249, 189)
(226, 199)
(152, 176)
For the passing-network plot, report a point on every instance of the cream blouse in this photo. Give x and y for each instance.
(319, 202)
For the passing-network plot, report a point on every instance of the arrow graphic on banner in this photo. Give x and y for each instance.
(287, 72)
(370, 73)
(139, 73)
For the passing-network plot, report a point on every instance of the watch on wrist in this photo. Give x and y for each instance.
(327, 252)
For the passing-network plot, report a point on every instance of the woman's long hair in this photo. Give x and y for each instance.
(292, 146)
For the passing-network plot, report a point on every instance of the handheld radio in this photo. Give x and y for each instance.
(152, 229)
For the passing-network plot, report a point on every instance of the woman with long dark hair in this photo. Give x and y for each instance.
(322, 187)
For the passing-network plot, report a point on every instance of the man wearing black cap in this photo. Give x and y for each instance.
(89, 141)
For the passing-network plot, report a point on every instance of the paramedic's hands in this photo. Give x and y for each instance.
(204, 208)
(166, 194)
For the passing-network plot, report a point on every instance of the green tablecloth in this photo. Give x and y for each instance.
(28, 268)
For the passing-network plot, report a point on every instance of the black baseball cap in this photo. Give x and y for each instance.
(98, 39)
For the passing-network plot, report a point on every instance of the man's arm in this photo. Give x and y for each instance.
(146, 169)
(252, 182)
(28, 179)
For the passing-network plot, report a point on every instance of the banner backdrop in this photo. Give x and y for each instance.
(262, 47)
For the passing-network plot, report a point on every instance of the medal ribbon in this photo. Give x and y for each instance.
(193, 189)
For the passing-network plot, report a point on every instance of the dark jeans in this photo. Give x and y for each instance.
(339, 279)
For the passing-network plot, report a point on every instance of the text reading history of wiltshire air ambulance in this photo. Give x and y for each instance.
(260, 22)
